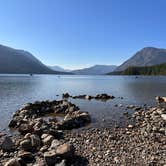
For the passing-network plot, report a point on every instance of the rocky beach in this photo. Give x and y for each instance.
(56, 133)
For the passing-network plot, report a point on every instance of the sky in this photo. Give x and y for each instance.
(80, 33)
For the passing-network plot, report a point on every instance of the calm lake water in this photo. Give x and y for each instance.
(17, 90)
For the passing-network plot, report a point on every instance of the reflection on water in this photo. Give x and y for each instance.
(17, 90)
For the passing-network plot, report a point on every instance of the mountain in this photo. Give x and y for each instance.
(58, 68)
(146, 70)
(14, 61)
(148, 56)
(95, 70)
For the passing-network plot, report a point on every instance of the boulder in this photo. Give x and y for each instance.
(50, 157)
(35, 141)
(65, 95)
(26, 145)
(12, 162)
(87, 97)
(25, 128)
(55, 143)
(26, 156)
(65, 151)
(77, 120)
(47, 139)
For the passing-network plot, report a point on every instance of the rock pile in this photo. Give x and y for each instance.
(41, 140)
(102, 97)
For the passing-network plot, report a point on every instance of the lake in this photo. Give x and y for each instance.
(16, 90)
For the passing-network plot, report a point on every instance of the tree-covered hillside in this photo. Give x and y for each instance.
(147, 70)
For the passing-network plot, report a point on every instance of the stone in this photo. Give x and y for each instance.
(65, 151)
(25, 128)
(87, 97)
(13, 123)
(50, 157)
(26, 144)
(44, 148)
(6, 143)
(62, 163)
(48, 139)
(12, 162)
(35, 140)
(130, 126)
(26, 156)
(55, 143)
(65, 95)
(163, 116)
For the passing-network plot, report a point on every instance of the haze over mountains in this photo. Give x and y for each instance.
(58, 68)
(95, 70)
(148, 56)
(14, 61)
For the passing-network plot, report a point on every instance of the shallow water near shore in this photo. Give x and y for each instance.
(16, 90)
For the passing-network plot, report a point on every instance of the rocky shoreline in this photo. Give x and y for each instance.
(43, 141)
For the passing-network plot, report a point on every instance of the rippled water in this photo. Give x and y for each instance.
(17, 90)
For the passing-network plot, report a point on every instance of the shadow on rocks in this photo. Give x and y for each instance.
(78, 160)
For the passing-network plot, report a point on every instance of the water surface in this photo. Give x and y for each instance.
(16, 90)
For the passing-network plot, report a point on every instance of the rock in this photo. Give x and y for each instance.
(87, 97)
(44, 148)
(55, 143)
(12, 162)
(40, 162)
(6, 143)
(35, 141)
(65, 151)
(26, 145)
(25, 128)
(26, 156)
(13, 123)
(50, 157)
(65, 95)
(130, 107)
(104, 96)
(130, 126)
(62, 163)
(47, 139)
(163, 116)
(74, 121)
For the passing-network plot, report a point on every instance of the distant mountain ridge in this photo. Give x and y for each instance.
(148, 56)
(95, 70)
(58, 68)
(14, 61)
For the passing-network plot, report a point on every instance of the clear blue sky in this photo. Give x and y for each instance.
(78, 33)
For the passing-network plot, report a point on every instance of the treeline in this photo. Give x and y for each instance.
(147, 70)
